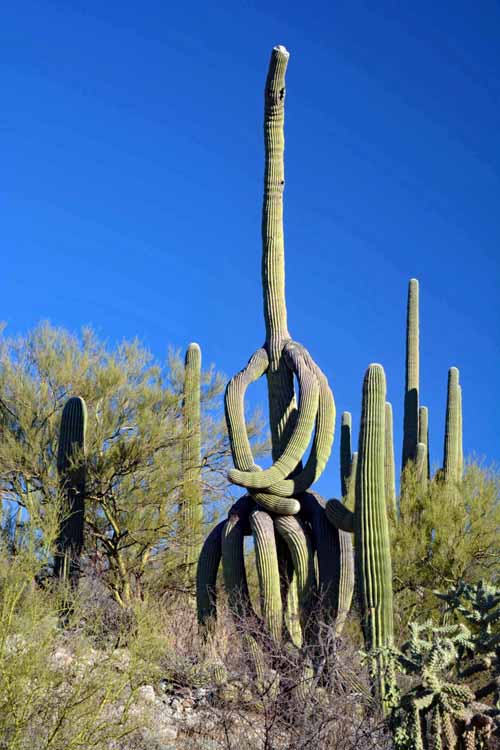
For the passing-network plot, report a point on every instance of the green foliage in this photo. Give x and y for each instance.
(443, 538)
(134, 448)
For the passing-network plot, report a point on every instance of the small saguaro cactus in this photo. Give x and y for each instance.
(452, 433)
(345, 452)
(71, 469)
(369, 524)
(410, 423)
(191, 505)
(423, 435)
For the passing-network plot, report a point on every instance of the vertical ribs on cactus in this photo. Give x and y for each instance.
(410, 422)
(71, 470)
(389, 468)
(191, 507)
(452, 433)
(345, 452)
(281, 358)
(370, 526)
(287, 523)
(423, 436)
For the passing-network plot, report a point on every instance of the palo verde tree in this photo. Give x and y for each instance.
(133, 477)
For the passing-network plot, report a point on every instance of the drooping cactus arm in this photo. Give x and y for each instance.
(235, 410)
(266, 558)
(322, 442)
(335, 559)
(206, 575)
(287, 506)
(233, 559)
(299, 440)
(293, 532)
(339, 515)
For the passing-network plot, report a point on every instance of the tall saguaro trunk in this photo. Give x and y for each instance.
(191, 507)
(410, 422)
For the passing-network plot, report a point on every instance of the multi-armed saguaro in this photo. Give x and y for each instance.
(288, 524)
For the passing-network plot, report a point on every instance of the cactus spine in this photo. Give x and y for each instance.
(71, 470)
(410, 423)
(389, 469)
(191, 507)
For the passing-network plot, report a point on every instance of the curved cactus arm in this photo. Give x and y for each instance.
(292, 530)
(235, 410)
(266, 558)
(283, 506)
(301, 435)
(233, 558)
(347, 580)
(335, 560)
(206, 575)
(322, 441)
(339, 516)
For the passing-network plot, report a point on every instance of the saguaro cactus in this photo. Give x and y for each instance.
(369, 522)
(423, 435)
(71, 469)
(345, 452)
(281, 489)
(389, 469)
(410, 424)
(452, 428)
(373, 554)
(191, 506)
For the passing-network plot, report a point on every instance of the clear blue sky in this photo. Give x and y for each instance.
(132, 160)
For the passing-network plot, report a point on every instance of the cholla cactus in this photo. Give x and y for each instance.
(479, 605)
(436, 712)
